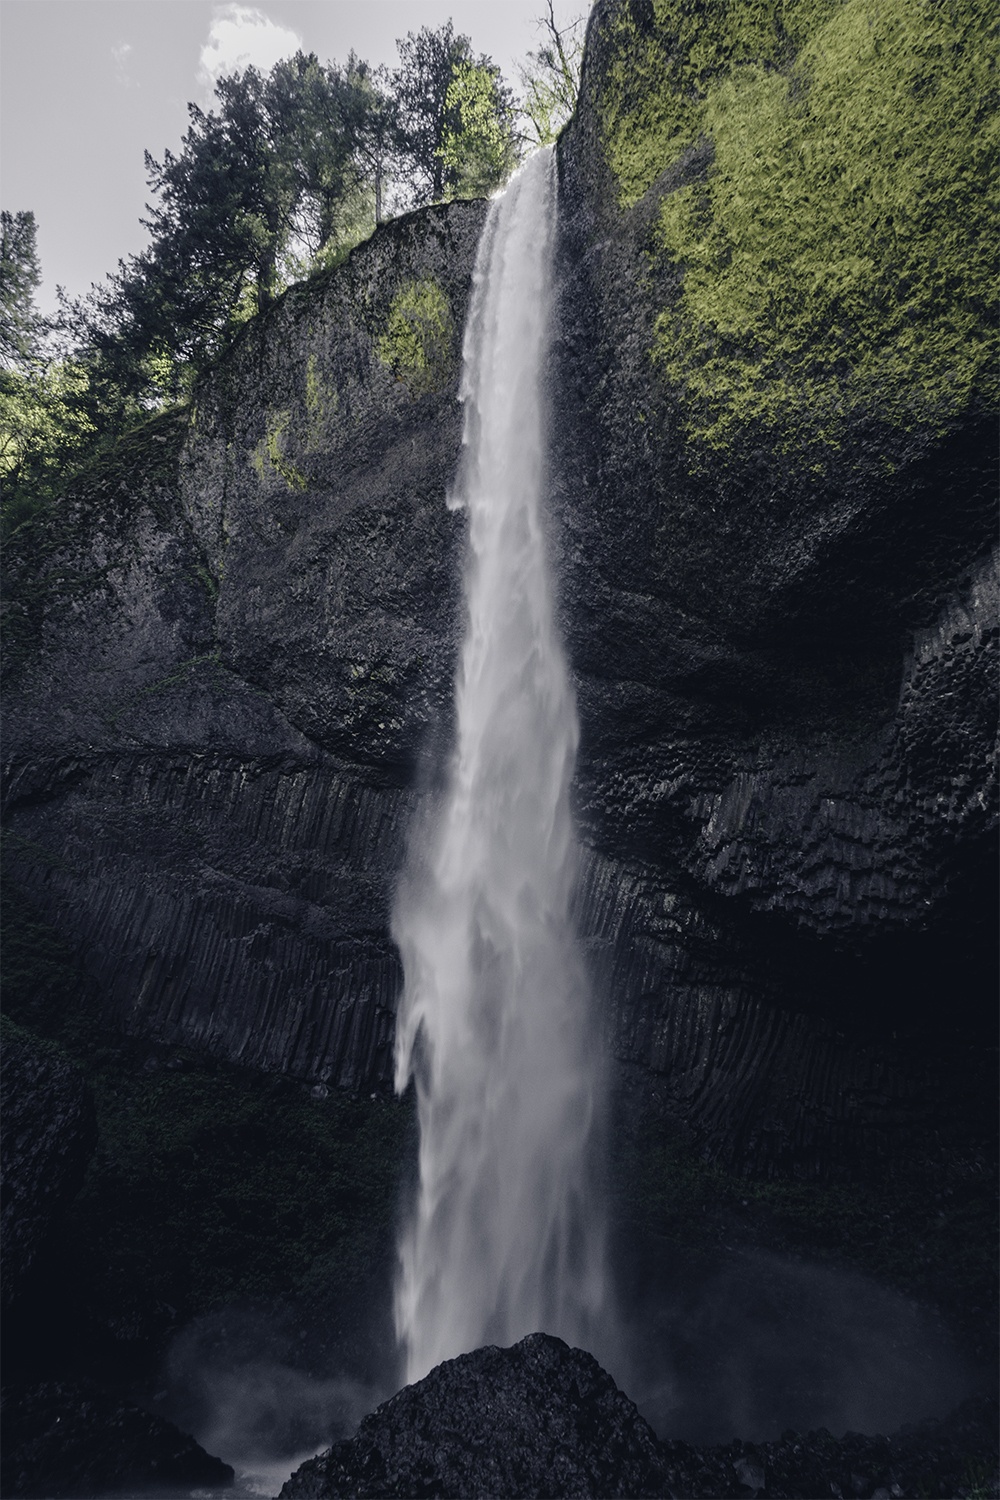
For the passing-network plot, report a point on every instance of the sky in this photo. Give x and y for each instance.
(87, 86)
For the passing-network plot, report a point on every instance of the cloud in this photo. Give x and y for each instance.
(242, 37)
(121, 55)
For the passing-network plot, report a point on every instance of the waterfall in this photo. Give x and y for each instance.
(495, 1025)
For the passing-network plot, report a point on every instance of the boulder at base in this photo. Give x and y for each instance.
(541, 1419)
(537, 1419)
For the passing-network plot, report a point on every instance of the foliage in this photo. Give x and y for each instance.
(420, 84)
(20, 274)
(550, 78)
(44, 427)
(45, 431)
(315, 115)
(477, 145)
(377, 130)
(418, 342)
(280, 179)
(455, 116)
(217, 232)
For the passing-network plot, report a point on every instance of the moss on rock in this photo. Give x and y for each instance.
(666, 58)
(838, 257)
(419, 339)
(270, 453)
(321, 402)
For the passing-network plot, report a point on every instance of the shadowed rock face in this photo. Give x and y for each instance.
(784, 652)
(48, 1136)
(541, 1419)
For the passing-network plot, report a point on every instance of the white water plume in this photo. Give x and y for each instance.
(494, 1025)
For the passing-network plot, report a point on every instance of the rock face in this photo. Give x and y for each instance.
(48, 1136)
(229, 653)
(537, 1419)
(65, 1440)
(231, 650)
(541, 1419)
(784, 624)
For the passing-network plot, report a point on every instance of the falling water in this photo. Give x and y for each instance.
(494, 1026)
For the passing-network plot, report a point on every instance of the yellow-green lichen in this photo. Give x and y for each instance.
(269, 455)
(419, 340)
(840, 253)
(321, 403)
(657, 78)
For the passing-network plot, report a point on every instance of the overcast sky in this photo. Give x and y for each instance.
(86, 86)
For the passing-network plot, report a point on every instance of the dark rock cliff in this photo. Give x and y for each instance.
(227, 654)
(231, 652)
(784, 634)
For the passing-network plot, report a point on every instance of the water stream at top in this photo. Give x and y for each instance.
(495, 1026)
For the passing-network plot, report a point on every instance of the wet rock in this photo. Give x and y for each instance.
(63, 1440)
(211, 734)
(541, 1419)
(750, 1474)
(537, 1419)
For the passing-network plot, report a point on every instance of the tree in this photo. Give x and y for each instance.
(261, 184)
(223, 216)
(455, 116)
(551, 77)
(226, 202)
(20, 324)
(42, 428)
(420, 86)
(44, 432)
(477, 145)
(377, 132)
(316, 115)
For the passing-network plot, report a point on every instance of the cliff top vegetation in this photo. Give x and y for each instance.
(280, 180)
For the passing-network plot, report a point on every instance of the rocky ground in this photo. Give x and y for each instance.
(541, 1419)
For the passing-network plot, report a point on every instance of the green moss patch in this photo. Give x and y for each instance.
(659, 77)
(418, 344)
(270, 456)
(839, 257)
(322, 402)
